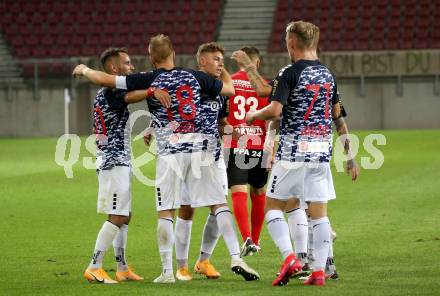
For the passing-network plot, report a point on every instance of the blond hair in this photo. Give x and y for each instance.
(307, 34)
(160, 48)
(210, 47)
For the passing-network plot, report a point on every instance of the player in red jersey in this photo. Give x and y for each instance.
(246, 164)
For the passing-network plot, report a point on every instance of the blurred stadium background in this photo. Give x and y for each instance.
(386, 54)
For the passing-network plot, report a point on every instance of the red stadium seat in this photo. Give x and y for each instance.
(406, 44)
(57, 51)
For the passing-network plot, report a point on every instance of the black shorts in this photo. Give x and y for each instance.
(245, 167)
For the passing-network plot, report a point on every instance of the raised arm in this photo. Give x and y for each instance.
(342, 129)
(228, 87)
(96, 77)
(261, 86)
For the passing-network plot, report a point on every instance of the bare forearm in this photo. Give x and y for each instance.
(342, 129)
(228, 87)
(135, 96)
(260, 85)
(266, 114)
(100, 78)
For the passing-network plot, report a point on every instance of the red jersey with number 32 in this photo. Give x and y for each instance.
(246, 99)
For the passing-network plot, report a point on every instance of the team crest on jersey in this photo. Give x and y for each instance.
(214, 106)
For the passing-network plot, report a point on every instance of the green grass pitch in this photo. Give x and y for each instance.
(388, 225)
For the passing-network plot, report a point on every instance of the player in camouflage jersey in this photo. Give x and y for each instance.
(114, 171)
(178, 152)
(305, 96)
(296, 216)
(214, 111)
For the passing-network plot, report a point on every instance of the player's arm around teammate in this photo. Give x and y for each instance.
(114, 175)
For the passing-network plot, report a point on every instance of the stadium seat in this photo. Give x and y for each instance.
(33, 22)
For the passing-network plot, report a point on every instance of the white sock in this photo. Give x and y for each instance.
(330, 249)
(210, 237)
(310, 243)
(279, 231)
(120, 245)
(225, 224)
(183, 237)
(321, 242)
(103, 241)
(165, 240)
(299, 229)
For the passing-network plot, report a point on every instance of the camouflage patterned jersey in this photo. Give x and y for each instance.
(110, 126)
(182, 128)
(307, 91)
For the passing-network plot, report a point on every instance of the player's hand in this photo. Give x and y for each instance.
(270, 161)
(241, 58)
(352, 168)
(79, 70)
(269, 149)
(163, 97)
(250, 117)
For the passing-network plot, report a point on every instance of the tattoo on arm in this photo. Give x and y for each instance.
(342, 129)
(255, 78)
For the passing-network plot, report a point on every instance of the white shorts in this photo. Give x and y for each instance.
(309, 182)
(193, 179)
(114, 195)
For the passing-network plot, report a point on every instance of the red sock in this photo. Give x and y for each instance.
(257, 215)
(239, 203)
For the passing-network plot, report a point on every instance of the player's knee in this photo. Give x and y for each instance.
(257, 190)
(128, 219)
(186, 213)
(215, 207)
(119, 220)
(317, 210)
(274, 204)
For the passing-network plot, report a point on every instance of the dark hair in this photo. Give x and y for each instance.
(251, 51)
(111, 52)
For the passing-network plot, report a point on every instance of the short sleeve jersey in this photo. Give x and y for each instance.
(110, 118)
(246, 99)
(307, 90)
(213, 109)
(179, 129)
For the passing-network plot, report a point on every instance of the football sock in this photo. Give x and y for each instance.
(225, 224)
(183, 237)
(257, 216)
(239, 203)
(321, 241)
(103, 241)
(279, 231)
(330, 249)
(310, 244)
(119, 246)
(299, 228)
(210, 237)
(165, 240)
